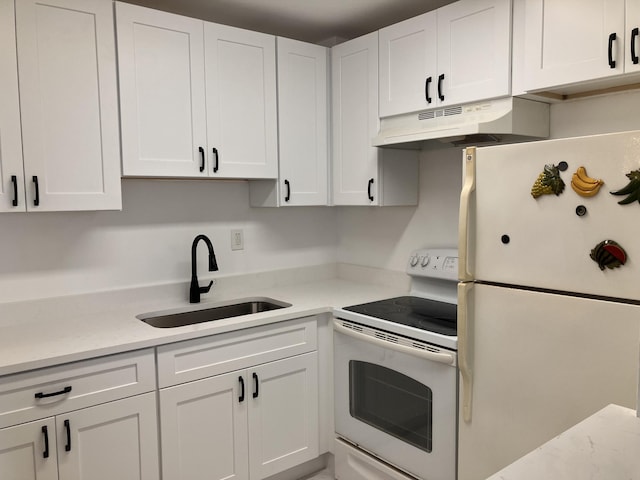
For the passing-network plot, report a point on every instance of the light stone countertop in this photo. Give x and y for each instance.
(605, 446)
(45, 332)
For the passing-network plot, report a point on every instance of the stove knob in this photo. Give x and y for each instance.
(425, 261)
(413, 260)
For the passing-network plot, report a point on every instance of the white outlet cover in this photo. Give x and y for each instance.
(237, 240)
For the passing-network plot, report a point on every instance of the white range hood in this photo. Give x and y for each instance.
(503, 120)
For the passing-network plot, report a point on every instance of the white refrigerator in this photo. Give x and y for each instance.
(549, 311)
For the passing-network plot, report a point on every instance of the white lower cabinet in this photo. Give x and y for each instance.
(87, 420)
(246, 424)
(240, 405)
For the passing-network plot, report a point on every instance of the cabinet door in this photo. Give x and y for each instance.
(116, 440)
(241, 102)
(69, 104)
(28, 451)
(560, 50)
(11, 174)
(632, 34)
(302, 110)
(162, 99)
(474, 51)
(204, 429)
(408, 71)
(283, 414)
(354, 70)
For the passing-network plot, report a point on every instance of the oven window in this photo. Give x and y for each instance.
(391, 402)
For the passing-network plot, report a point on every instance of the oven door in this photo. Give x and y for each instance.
(396, 401)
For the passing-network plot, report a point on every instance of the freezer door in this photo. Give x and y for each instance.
(538, 364)
(546, 242)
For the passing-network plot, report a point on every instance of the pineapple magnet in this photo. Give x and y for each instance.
(548, 182)
(632, 190)
(609, 254)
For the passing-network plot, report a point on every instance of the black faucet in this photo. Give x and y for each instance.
(195, 290)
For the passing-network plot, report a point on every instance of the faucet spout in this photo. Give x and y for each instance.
(195, 289)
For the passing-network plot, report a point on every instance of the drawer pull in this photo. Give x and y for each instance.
(67, 427)
(46, 395)
(45, 432)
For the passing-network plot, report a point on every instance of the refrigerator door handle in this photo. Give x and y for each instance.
(468, 187)
(464, 349)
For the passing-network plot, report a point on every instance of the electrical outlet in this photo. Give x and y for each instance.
(237, 240)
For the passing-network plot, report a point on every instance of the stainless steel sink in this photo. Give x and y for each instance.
(218, 311)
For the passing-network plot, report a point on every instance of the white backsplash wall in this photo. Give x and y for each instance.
(149, 242)
(384, 237)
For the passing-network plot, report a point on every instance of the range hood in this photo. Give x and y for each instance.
(503, 120)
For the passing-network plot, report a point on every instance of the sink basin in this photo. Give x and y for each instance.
(217, 311)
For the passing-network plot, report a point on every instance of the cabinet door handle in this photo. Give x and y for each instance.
(215, 157)
(53, 394)
(612, 38)
(426, 89)
(369, 194)
(36, 200)
(255, 385)
(67, 427)
(241, 380)
(201, 150)
(14, 181)
(45, 433)
(440, 80)
(287, 197)
(634, 37)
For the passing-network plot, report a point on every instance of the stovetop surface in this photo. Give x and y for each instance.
(417, 312)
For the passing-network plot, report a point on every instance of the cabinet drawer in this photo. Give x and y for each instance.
(204, 357)
(49, 391)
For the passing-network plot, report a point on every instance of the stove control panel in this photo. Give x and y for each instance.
(436, 263)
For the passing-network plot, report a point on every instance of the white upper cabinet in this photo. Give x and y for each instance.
(302, 129)
(474, 51)
(363, 174)
(197, 99)
(571, 41)
(11, 172)
(162, 93)
(408, 68)
(302, 102)
(68, 105)
(458, 53)
(241, 102)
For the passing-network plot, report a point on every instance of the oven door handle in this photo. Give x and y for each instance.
(446, 358)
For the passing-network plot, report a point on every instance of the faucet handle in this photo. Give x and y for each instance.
(207, 288)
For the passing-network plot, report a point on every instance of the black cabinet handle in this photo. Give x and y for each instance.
(45, 432)
(612, 38)
(369, 189)
(215, 162)
(440, 80)
(14, 181)
(241, 380)
(67, 427)
(36, 200)
(255, 385)
(54, 394)
(201, 150)
(287, 197)
(634, 36)
(426, 89)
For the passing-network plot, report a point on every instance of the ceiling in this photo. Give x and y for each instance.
(317, 21)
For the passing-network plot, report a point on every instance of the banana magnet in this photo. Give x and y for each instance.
(584, 185)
